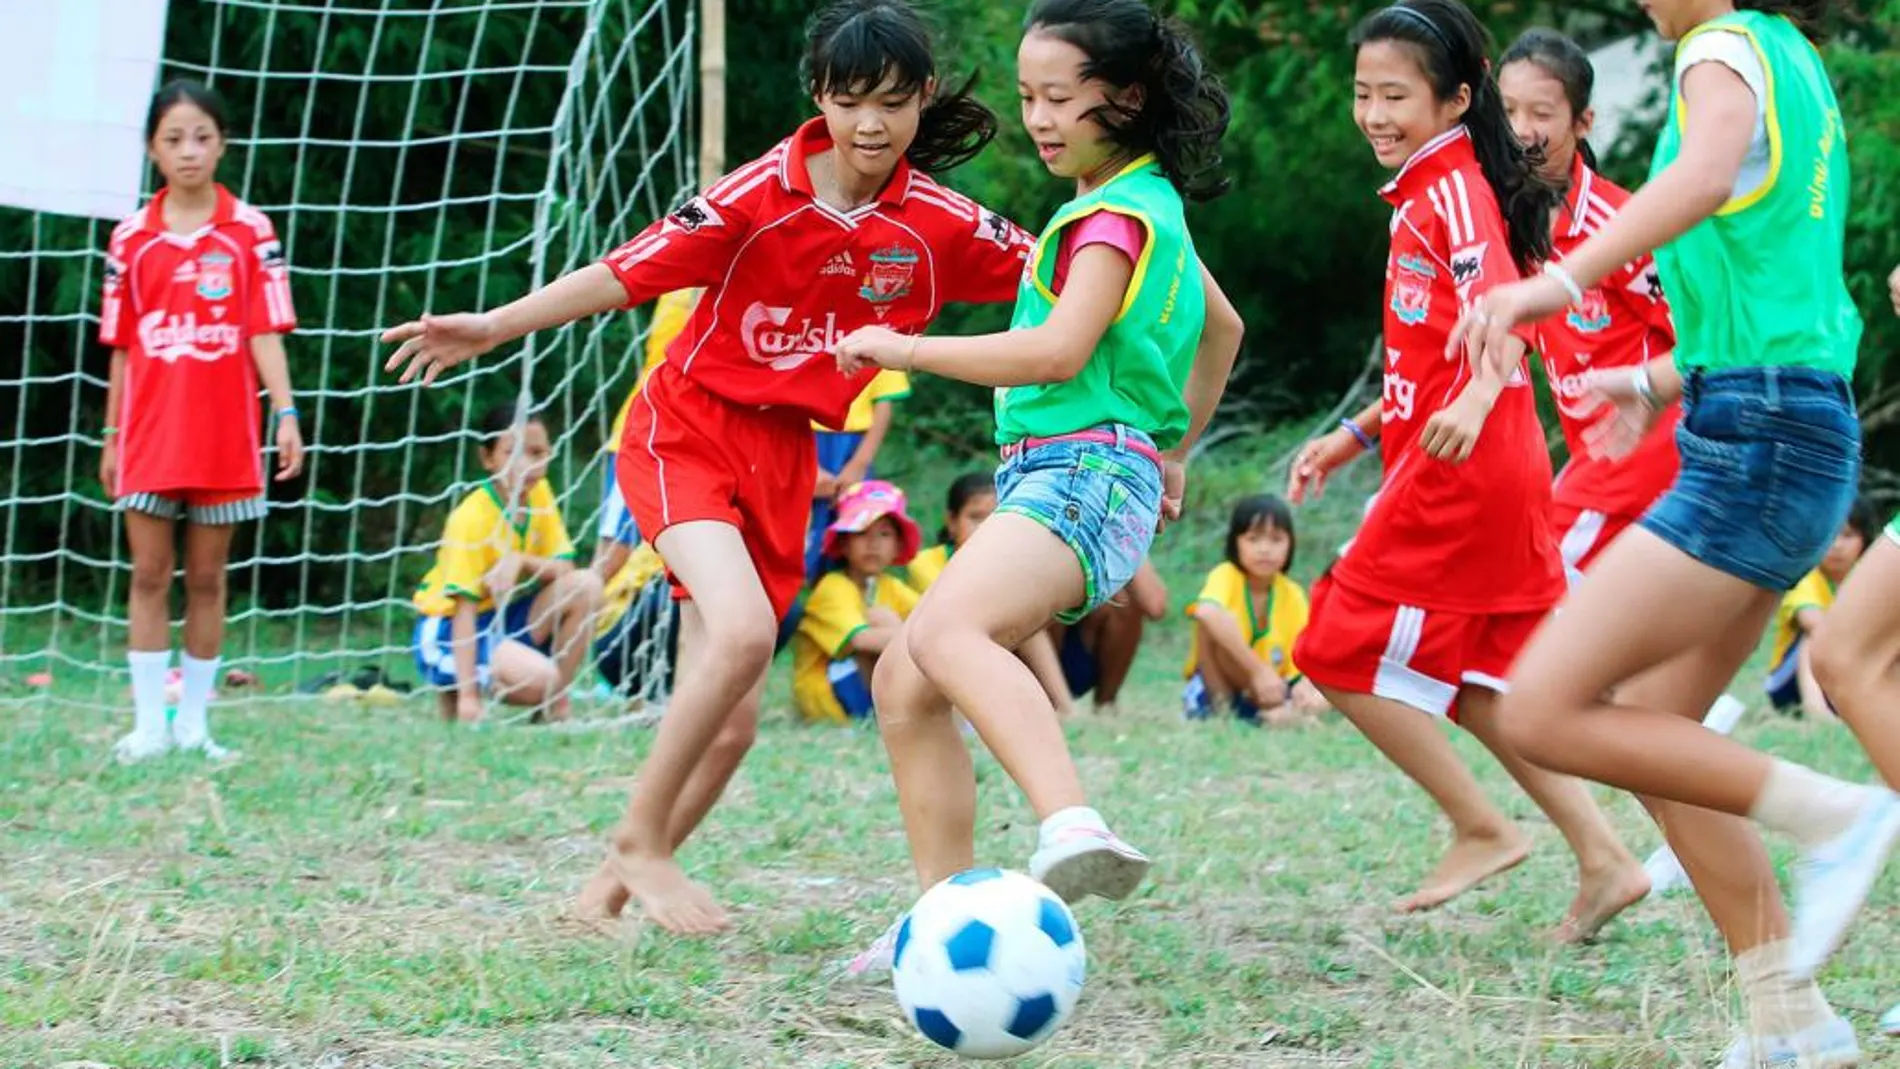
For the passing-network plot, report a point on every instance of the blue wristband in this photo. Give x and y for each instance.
(1358, 432)
(287, 410)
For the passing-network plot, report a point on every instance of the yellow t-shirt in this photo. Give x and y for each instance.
(1812, 592)
(886, 385)
(1272, 638)
(834, 614)
(671, 313)
(926, 566)
(476, 536)
(642, 565)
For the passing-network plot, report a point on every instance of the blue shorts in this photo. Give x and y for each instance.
(1102, 499)
(835, 450)
(1784, 680)
(1080, 667)
(616, 520)
(435, 653)
(1770, 467)
(849, 686)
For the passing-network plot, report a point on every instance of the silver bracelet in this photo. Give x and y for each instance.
(1645, 389)
(1566, 279)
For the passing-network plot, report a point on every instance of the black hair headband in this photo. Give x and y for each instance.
(1423, 20)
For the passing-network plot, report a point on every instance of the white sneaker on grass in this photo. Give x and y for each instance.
(874, 963)
(1085, 858)
(1832, 882)
(1890, 1023)
(139, 746)
(206, 748)
(1665, 872)
(1828, 1045)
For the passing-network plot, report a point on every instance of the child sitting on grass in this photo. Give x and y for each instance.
(1790, 685)
(1246, 619)
(853, 610)
(506, 541)
(971, 500)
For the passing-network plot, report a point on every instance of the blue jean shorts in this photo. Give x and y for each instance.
(434, 641)
(1103, 499)
(1770, 467)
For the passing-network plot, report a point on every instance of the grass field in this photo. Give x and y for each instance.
(371, 888)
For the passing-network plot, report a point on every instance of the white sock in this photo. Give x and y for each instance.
(148, 690)
(1775, 1003)
(1804, 804)
(1074, 816)
(1724, 715)
(192, 726)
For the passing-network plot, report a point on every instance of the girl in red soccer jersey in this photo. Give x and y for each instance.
(1455, 564)
(1118, 351)
(197, 299)
(837, 227)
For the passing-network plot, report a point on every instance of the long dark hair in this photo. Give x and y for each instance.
(1808, 16)
(1563, 59)
(1260, 510)
(1452, 46)
(184, 91)
(852, 46)
(969, 485)
(1182, 110)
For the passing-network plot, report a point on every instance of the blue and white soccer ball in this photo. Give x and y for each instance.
(988, 963)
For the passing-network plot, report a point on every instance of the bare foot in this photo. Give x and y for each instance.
(666, 896)
(1469, 862)
(602, 897)
(1600, 897)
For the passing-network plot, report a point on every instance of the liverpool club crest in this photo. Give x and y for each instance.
(891, 271)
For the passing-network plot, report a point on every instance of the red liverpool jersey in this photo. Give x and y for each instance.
(185, 307)
(1622, 322)
(1472, 537)
(788, 276)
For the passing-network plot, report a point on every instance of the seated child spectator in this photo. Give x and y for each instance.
(971, 500)
(1098, 650)
(854, 610)
(505, 541)
(1246, 618)
(638, 611)
(1790, 684)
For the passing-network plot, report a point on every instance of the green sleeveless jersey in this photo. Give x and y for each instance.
(1761, 283)
(1140, 367)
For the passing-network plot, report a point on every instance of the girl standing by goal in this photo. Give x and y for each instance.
(197, 300)
(1746, 211)
(1454, 566)
(1118, 352)
(718, 460)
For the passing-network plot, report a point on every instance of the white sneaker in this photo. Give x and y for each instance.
(207, 749)
(1088, 859)
(1832, 882)
(1890, 1023)
(874, 963)
(1665, 872)
(141, 746)
(1828, 1045)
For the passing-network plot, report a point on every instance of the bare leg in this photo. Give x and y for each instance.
(148, 607)
(1117, 638)
(936, 785)
(1856, 654)
(1609, 878)
(1038, 651)
(1485, 841)
(207, 563)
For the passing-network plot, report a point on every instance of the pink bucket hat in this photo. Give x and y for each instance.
(866, 503)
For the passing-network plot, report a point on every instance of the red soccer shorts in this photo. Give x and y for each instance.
(1421, 657)
(690, 455)
(1584, 533)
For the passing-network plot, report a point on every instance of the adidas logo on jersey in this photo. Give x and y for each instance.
(838, 265)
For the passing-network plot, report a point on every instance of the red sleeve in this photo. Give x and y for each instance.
(1639, 286)
(984, 254)
(116, 329)
(271, 309)
(691, 246)
(1478, 247)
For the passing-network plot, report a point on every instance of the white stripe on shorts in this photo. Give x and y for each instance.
(170, 508)
(1398, 680)
(1581, 538)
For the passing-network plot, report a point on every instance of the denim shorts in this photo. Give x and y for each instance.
(1770, 467)
(1103, 499)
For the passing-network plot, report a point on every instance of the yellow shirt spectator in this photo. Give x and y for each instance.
(887, 385)
(927, 565)
(671, 312)
(1812, 592)
(834, 614)
(477, 535)
(1272, 634)
(626, 585)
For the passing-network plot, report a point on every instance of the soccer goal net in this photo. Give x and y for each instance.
(414, 157)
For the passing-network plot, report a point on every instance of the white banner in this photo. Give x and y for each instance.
(74, 89)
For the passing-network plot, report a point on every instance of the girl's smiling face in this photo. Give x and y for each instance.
(1394, 105)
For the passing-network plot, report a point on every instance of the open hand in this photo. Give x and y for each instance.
(1483, 333)
(1617, 432)
(1317, 459)
(434, 344)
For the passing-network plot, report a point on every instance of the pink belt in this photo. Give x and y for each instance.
(1119, 439)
